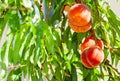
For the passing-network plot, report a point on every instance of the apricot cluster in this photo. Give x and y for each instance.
(79, 17)
(79, 20)
(92, 53)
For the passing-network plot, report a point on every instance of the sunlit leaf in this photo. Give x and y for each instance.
(14, 75)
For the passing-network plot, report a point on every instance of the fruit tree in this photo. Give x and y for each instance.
(59, 40)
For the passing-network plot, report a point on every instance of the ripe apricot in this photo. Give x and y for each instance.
(90, 41)
(79, 15)
(66, 7)
(80, 28)
(92, 57)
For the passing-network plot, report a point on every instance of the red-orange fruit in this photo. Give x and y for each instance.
(92, 57)
(67, 7)
(90, 41)
(79, 15)
(80, 28)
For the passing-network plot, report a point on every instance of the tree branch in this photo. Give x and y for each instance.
(12, 8)
(96, 4)
(16, 66)
(110, 66)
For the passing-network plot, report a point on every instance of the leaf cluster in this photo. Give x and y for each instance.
(40, 45)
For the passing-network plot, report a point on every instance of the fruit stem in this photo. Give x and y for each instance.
(92, 32)
(78, 1)
(62, 29)
(93, 35)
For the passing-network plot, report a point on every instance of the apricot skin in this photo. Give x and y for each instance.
(80, 28)
(92, 57)
(79, 15)
(90, 41)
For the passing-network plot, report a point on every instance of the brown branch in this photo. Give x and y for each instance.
(16, 66)
(110, 66)
(97, 5)
(62, 28)
(78, 1)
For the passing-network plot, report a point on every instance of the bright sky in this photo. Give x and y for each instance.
(115, 6)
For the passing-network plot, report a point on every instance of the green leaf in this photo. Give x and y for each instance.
(115, 56)
(2, 51)
(67, 39)
(49, 43)
(56, 15)
(2, 26)
(11, 2)
(66, 34)
(68, 65)
(28, 39)
(95, 74)
(24, 70)
(48, 38)
(3, 65)
(88, 78)
(75, 44)
(16, 48)
(14, 22)
(39, 74)
(37, 55)
(116, 51)
(34, 75)
(14, 75)
(113, 20)
(45, 67)
(31, 50)
(6, 48)
(80, 37)
(87, 74)
(57, 74)
(78, 65)
(41, 26)
(88, 1)
(57, 38)
(94, 78)
(74, 73)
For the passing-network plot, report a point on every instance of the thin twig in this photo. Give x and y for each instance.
(96, 4)
(13, 8)
(16, 66)
(110, 66)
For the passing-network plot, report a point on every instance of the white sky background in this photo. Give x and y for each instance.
(115, 6)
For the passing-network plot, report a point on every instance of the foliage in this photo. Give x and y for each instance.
(40, 44)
